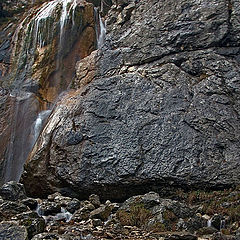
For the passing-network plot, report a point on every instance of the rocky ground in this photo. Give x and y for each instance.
(195, 215)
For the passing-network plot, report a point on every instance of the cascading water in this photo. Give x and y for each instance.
(209, 222)
(39, 123)
(101, 38)
(20, 143)
(48, 11)
(40, 19)
(100, 28)
(47, 45)
(63, 215)
(45, 28)
(33, 34)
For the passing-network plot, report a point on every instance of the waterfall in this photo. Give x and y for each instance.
(46, 46)
(39, 123)
(209, 222)
(100, 28)
(26, 106)
(44, 13)
(49, 11)
(65, 14)
(101, 38)
(39, 30)
(35, 34)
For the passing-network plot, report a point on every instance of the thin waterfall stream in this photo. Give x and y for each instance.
(39, 123)
(21, 140)
(30, 115)
(100, 28)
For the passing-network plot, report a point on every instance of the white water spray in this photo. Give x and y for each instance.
(101, 37)
(39, 123)
(100, 28)
(47, 11)
(63, 215)
(209, 222)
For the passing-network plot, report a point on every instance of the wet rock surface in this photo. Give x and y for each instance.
(156, 108)
(6, 113)
(39, 47)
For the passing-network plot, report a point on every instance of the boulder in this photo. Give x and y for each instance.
(59, 199)
(157, 205)
(194, 223)
(151, 212)
(101, 213)
(49, 208)
(97, 222)
(50, 236)
(73, 205)
(30, 202)
(12, 191)
(94, 199)
(206, 231)
(162, 110)
(179, 236)
(216, 221)
(148, 200)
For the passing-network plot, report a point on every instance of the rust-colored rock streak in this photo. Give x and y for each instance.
(86, 72)
(75, 46)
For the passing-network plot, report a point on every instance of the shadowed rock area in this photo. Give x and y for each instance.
(157, 107)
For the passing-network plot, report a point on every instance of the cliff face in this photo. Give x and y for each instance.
(41, 41)
(157, 107)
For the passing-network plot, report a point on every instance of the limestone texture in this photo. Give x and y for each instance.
(158, 108)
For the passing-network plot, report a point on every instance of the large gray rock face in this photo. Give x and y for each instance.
(159, 107)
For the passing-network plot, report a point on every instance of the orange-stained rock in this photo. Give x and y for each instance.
(60, 72)
(86, 70)
(50, 63)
